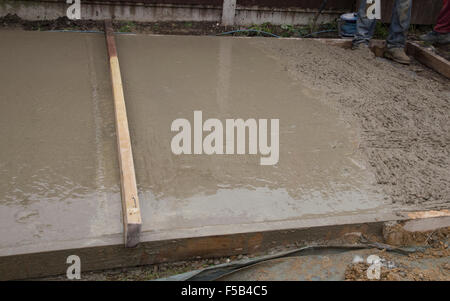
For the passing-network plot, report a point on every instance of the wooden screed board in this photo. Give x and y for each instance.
(130, 202)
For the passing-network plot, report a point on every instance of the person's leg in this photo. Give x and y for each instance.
(364, 27)
(441, 33)
(401, 18)
(398, 31)
(443, 21)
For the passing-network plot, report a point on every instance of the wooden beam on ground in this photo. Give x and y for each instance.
(343, 43)
(132, 222)
(192, 248)
(156, 252)
(424, 56)
(428, 58)
(377, 46)
(428, 214)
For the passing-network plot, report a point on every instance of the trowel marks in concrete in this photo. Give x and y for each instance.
(319, 173)
(59, 181)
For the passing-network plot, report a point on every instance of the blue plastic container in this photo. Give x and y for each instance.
(347, 25)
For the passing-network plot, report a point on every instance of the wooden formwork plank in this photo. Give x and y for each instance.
(425, 56)
(428, 214)
(428, 58)
(156, 252)
(132, 221)
(172, 250)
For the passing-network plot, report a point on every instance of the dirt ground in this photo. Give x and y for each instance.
(433, 263)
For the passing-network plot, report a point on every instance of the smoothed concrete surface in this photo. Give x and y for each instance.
(59, 177)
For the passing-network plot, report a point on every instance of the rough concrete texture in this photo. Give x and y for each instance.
(401, 113)
(59, 177)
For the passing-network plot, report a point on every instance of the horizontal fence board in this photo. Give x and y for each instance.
(311, 4)
(423, 11)
(173, 2)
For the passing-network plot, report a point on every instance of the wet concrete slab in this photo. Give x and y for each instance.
(59, 176)
(320, 178)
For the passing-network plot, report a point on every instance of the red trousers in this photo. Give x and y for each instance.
(443, 21)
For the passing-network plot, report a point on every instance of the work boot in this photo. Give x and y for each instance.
(435, 37)
(398, 55)
(364, 50)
